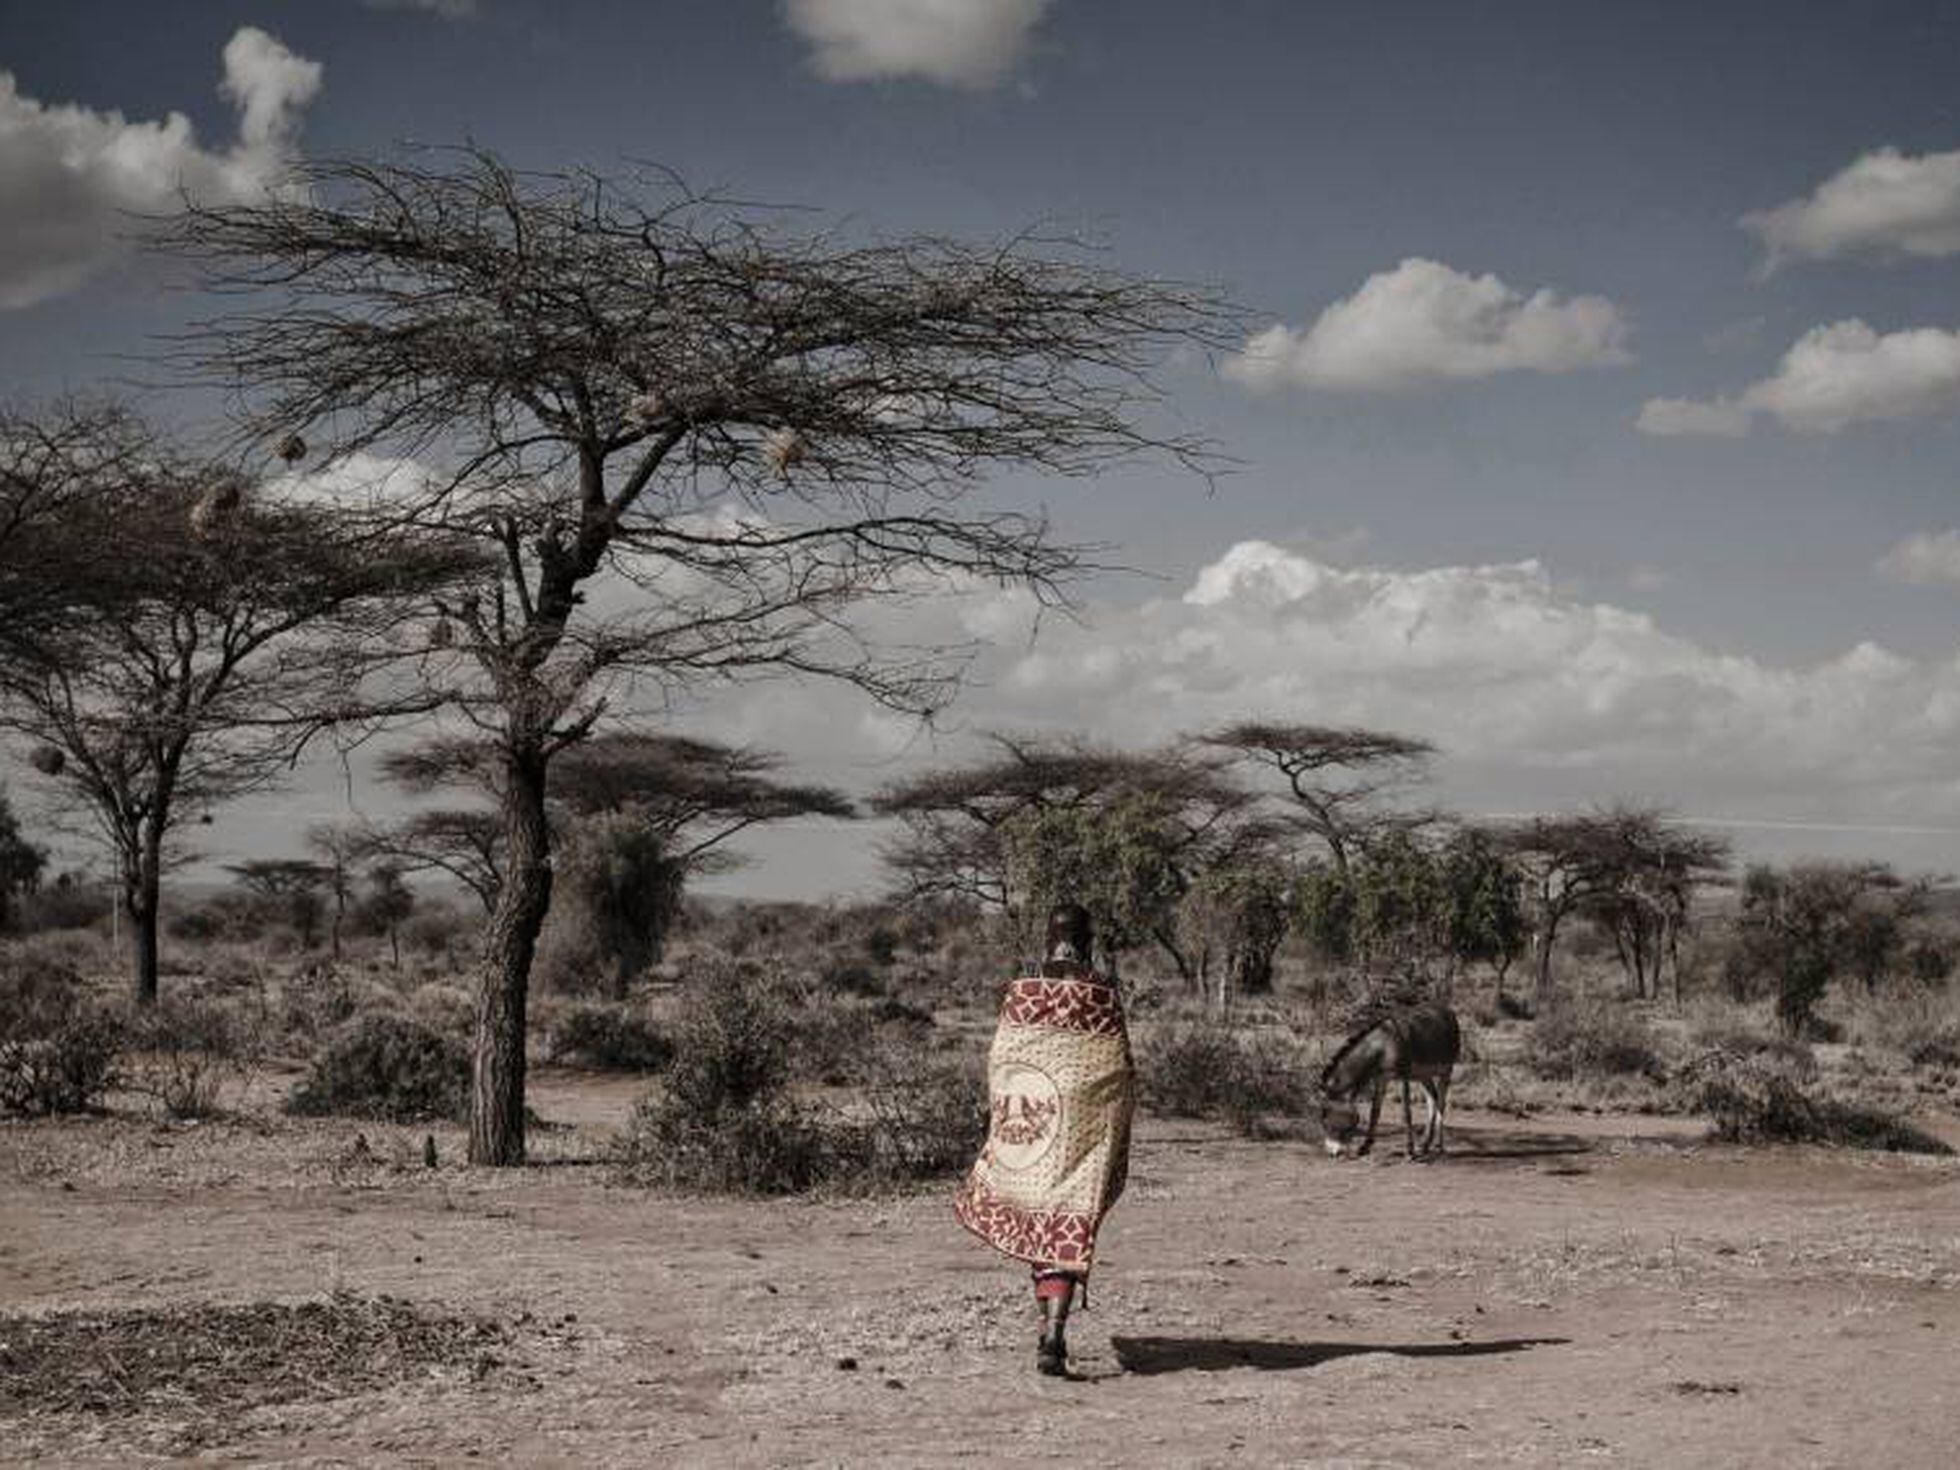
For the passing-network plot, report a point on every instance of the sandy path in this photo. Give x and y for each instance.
(1560, 1292)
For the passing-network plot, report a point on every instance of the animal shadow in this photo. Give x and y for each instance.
(1150, 1355)
(1496, 1145)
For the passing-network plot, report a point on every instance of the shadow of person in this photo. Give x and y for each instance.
(1146, 1355)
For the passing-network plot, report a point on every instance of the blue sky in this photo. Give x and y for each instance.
(1502, 245)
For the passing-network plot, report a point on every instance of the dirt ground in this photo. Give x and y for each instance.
(1559, 1291)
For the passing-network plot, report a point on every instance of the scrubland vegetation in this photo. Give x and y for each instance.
(787, 1048)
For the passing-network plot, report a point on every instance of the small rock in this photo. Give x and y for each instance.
(847, 1365)
(894, 1383)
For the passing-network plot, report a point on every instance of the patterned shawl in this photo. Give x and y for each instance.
(1062, 1088)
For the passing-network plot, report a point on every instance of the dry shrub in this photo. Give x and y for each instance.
(1719, 1027)
(767, 1147)
(1576, 1038)
(612, 1038)
(218, 1362)
(59, 1050)
(184, 1052)
(726, 1119)
(444, 1007)
(1206, 1070)
(927, 1118)
(1758, 1100)
(388, 1066)
(1919, 1023)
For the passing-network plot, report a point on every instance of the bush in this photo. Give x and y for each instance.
(725, 1120)
(767, 1147)
(385, 1065)
(1752, 1100)
(1212, 1071)
(186, 1050)
(58, 1051)
(611, 1038)
(927, 1119)
(1585, 1038)
(734, 1043)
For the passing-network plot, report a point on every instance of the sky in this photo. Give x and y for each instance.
(1598, 420)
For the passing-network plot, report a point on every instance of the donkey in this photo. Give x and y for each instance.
(1418, 1045)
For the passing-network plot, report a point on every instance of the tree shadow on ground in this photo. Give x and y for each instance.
(1148, 1355)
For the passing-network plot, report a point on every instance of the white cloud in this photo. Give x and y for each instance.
(1885, 202)
(1924, 559)
(1832, 377)
(71, 177)
(1539, 700)
(1528, 689)
(960, 43)
(1424, 322)
(1672, 418)
(1533, 693)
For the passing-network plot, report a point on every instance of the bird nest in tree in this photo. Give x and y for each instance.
(212, 1363)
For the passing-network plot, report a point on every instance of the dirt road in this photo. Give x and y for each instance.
(1558, 1292)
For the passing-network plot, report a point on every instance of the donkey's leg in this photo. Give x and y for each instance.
(1442, 1108)
(1374, 1113)
(1408, 1118)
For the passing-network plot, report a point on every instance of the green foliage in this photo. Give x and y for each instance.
(1805, 925)
(58, 1051)
(1118, 859)
(1240, 910)
(388, 1066)
(1401, 907)
(1484, 900)
(610, 1037)
(1323, 908)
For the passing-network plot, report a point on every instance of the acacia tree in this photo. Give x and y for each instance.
(287, 890)
(625, 388)
(638, 816)
(1066, 795)
(204, 634)
(1628, 866)
(1336, 776)
(652, 812)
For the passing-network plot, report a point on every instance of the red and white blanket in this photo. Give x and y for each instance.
(1063, 1088)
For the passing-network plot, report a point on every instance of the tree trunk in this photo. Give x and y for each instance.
(497, 1082)
(1547, 937)
(143, 889)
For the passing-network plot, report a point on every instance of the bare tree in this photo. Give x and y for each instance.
(342, 847)
(197, 635)
(53, 467)
(695, 440)
(1336, 776)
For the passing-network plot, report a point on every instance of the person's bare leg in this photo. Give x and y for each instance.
(1055, 1294)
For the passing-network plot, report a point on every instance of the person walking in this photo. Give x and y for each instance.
(1061, 1086)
